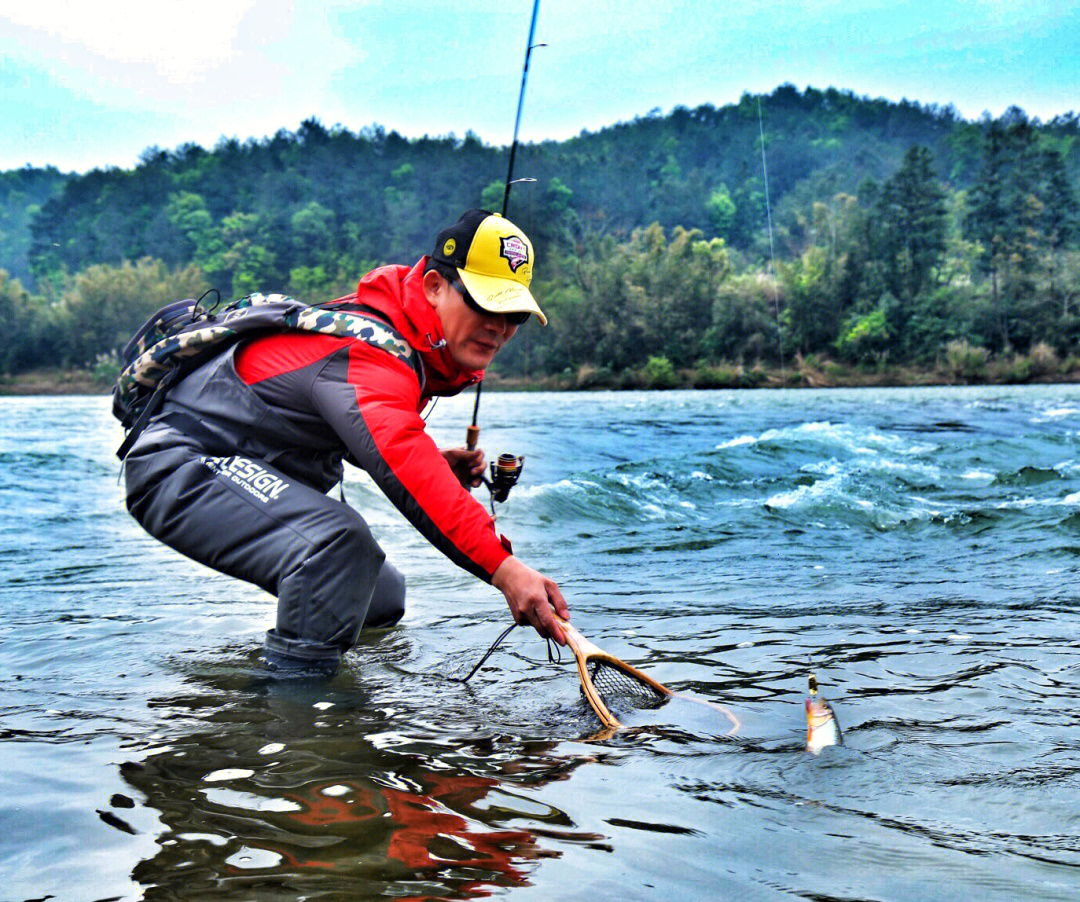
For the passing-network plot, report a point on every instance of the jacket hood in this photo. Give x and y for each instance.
(397, 293)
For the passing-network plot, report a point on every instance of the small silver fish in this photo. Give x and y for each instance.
(822, 727)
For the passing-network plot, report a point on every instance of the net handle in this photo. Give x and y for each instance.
(592, 652)
(584, 652)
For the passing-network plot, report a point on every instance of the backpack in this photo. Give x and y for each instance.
(183, 335)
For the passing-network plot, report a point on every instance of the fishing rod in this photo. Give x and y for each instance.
(506, 471)
(529, 45)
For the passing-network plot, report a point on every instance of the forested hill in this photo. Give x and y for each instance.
(22, 194)
(315, 195)
(877, 206)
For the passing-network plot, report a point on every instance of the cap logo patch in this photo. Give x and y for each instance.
(449, 248)
(515, 251)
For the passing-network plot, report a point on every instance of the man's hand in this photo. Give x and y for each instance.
(532, 598)
(468, 466)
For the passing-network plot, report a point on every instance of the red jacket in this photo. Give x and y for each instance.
(367, 401)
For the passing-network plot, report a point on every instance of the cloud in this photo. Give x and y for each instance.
(180, 42)
(79, 77)
(82, 76)
(178, 58)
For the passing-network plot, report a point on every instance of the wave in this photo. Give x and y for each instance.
(877, 492)
(822, 473)
(856, 439)
(1056, 413)
(1028, 476)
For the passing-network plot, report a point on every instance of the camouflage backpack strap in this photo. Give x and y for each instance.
(177, 335)
(156, 365)
(150, 368)
(364, 327)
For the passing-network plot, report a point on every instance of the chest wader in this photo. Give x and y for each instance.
(217, 497)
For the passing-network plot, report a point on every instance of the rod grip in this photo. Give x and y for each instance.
(472, 436)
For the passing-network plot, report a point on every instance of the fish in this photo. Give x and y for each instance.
(822, 727)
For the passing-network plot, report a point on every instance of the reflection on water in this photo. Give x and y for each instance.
(919, 550)
(280, 808)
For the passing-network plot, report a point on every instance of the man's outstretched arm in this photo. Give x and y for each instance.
(532, 597)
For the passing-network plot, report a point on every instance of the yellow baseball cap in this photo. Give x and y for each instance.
(494, 259)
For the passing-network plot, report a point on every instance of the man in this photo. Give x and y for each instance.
(235, 468)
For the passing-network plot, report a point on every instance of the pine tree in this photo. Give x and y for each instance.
(987, 217)
(912, 218)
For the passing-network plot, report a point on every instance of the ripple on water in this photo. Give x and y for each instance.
(916, 549)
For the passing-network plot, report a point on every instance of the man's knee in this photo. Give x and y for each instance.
(361, 554)
(352, 543)
(344, 555)
(327, 597)
(388, 599)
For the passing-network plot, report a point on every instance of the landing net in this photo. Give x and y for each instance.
(619, 689)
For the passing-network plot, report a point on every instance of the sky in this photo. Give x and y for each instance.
(95, 84)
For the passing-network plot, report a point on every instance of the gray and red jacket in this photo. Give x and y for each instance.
(304, 401)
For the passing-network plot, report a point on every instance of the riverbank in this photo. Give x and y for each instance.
(55, 382)
(801, 373)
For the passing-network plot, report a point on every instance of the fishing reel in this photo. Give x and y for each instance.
(505, 473)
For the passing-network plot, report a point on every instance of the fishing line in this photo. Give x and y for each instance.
(554, 657)
(772, 255)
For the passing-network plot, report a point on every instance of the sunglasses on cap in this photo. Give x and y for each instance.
(514, 319)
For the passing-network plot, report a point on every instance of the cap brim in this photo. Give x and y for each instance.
(501, 295)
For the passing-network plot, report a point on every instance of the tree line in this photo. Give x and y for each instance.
(902, 235)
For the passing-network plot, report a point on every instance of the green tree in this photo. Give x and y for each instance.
(811, 313)
(1059, 229)
(913, 222)
(658, 372)
(647, 297)
(247, 264)
(721, 209)
(1008, 217)
(867, 338)
(17, 313)
(988, 219)
(188, 212)
(491, 198)
(101, 307)
(313, 239)
(744, 324)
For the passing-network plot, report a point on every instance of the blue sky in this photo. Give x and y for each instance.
(94, 84)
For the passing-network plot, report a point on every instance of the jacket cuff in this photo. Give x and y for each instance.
(491, 561)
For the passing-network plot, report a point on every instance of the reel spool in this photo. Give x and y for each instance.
(505, 472)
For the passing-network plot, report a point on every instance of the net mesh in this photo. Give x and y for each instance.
(619, 689)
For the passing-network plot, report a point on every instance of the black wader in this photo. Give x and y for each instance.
(243, 517)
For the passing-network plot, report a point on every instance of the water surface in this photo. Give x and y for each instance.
(917, 548)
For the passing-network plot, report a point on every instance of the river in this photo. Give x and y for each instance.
(917, 549)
